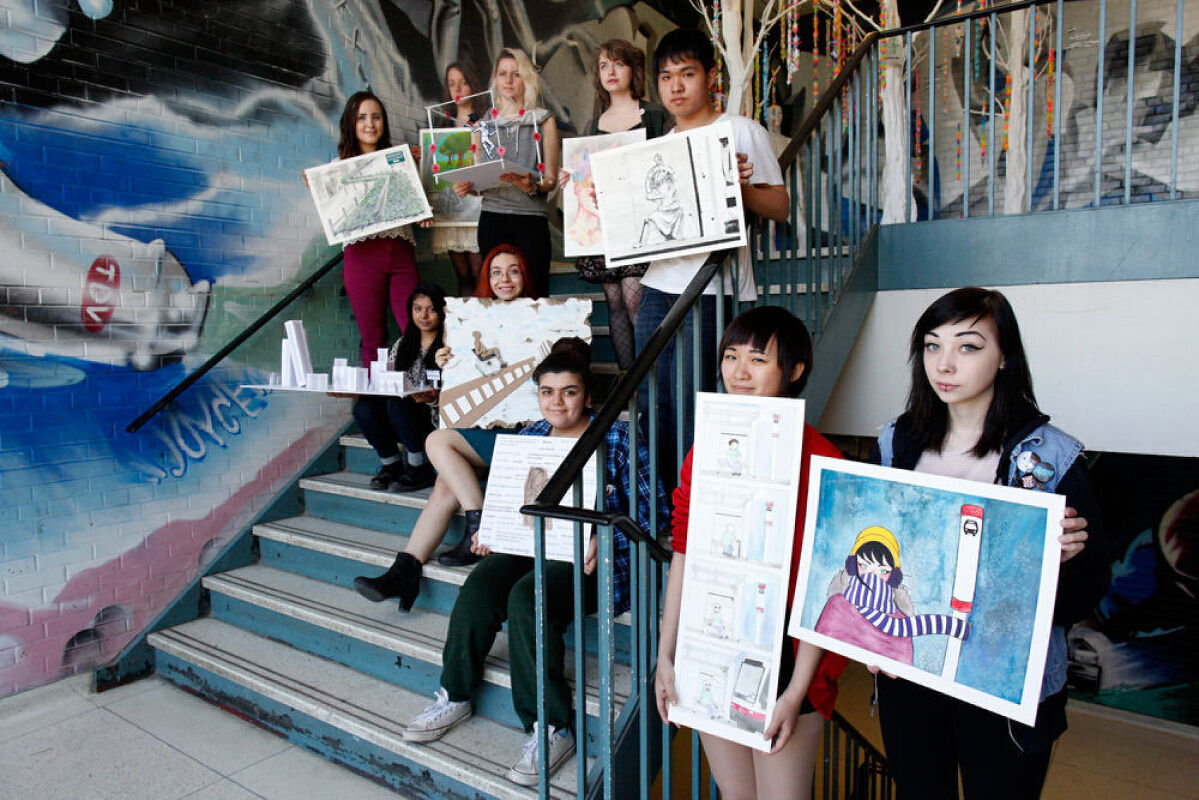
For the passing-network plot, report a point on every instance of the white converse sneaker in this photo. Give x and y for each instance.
(561, 747)
(437, 720)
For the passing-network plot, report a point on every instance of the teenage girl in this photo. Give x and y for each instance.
(515, 212)
(381, 270)
(461, 242)
(765, 352)
(460, 457)
(971, 413)
(386, 421)
(618, 73)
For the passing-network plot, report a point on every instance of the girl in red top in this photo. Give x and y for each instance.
(767, 352)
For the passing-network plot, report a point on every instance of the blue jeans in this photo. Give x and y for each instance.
(387, 420)
(654, 306)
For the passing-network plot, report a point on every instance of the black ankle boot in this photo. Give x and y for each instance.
(415, 478)
(401, 580)
(461, 555)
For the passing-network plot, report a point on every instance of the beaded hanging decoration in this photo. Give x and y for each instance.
(919, 122)
(718, 96)
(945, 62)
(792, 38)
(815, 54)
(957, 163)
(1007, 107)
(1049, 93)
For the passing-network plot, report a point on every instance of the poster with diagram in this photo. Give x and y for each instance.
(673, 196)
(359, 197)
(944, 582)
(744, 485)
(528, 462)
(444, 149)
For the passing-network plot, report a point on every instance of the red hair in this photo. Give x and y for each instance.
(483, 289)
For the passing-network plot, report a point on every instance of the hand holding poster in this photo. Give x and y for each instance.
(744, 485)
(945, 582)
(521, 467)
(366, 195)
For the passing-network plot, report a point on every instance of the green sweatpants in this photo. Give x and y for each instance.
(501, 587)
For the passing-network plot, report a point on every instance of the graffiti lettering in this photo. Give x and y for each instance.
(184, 434)
(103, 280)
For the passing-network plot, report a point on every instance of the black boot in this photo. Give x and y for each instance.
(461, 555)
(415, 478)
(388, 475)
(401, 580)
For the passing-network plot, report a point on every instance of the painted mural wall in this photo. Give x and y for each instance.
(151, 207)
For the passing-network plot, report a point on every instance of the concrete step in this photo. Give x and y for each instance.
(346, 716)
(372, 637)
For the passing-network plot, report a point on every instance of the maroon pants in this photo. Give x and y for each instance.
(379, 272)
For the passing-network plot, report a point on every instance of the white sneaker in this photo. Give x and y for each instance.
(561, 747)
(437, 720)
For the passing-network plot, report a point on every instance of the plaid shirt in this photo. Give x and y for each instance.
(616, 498)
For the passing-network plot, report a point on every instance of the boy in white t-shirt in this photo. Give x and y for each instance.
(686, 68)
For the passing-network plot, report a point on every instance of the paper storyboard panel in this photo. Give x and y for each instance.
(494, 348)
(945, 582)
(744, 485)
(668, 197)
(521, 467)
(360, 197)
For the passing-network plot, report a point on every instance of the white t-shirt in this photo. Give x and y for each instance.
(671, 275)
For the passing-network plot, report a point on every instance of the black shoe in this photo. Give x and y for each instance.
(387, 475)
(401, 580)
(415, 478)
(460, 555)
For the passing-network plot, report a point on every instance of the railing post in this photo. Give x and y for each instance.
(539, 599)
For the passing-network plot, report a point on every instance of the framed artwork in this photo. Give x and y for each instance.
(362, 196)
(672, 196)
(494, 348)
(444, 149)
(581, 234)
(945, 582)
(744, 484)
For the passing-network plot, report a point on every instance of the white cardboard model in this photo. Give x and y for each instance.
(367, 195)
(581, 234)
(527, 464)
(944, 582)
(673, 196)
(740, 531)
(494, 348)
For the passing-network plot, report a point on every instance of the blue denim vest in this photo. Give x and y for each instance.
(1037, 462)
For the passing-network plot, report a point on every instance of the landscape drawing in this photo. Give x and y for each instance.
(945, 582)
(444, 149)
(360, 197)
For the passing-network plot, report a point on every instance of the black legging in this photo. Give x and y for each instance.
(529, 233)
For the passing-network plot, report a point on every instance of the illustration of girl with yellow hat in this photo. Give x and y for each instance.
(869, 607)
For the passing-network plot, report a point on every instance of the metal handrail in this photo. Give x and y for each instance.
(232, 345)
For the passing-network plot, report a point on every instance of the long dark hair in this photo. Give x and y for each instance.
(347, 145)
(409, 347)
(757, 326)
(628, 54)
(1013, 400)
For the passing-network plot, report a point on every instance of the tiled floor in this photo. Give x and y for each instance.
(152, 740)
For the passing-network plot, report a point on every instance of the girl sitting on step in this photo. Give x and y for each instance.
(501, 587)
(459, 457)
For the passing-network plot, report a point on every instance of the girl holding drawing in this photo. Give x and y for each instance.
(408, 420)
(619, 78)
(514, 212)
(380, 270)
(461, 242)
(459, 456)
(766, 352)
(971, 413)
(501, 587)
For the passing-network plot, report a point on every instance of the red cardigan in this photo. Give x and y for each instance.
(822, 693)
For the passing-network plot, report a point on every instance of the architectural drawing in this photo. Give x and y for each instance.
(668, 197)
(362, 196)
(898, 571)
(494, 348)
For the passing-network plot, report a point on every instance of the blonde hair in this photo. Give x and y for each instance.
(528, 73)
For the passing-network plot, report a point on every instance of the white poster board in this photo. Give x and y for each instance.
(521, 466)
(963, 601)
(581, 235)
(673, 196)
(494, 348)
(360, 197)
(744, 486)
(486, 175)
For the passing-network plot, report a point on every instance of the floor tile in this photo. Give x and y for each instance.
(210, 735)
(224, 789)
(97, 754)
(1067, 782)
(118, 693)
(298, 773)
(1100, 746)
(29, 711)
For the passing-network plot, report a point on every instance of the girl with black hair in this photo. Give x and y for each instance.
(387, 422)
(766, 352)
(971, 413)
